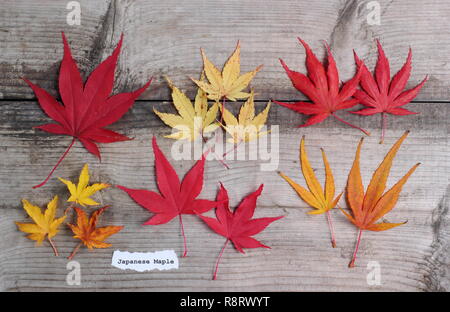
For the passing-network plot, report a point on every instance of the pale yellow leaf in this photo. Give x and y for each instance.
(232, 68)
(247, 112)
(228, 84)
(212, 73)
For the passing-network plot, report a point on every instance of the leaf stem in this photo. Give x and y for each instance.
(184, 236)
(216, 156)
(75, 250)
(69, 208)
(233, 149)
(349, 124)
(330, 225)
(218, 259)
(56, 166)
(352, 263)
(223, 106)
(383, 126)
(55, 251)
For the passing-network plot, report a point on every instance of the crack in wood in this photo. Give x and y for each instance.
(438, 263)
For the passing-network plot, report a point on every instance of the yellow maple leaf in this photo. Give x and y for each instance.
(45, 224)
(246, 127)
(228, 83)
(81, 193)
(322, 201)
(193, 121)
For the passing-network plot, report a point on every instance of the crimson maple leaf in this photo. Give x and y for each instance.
(176, 198)
(87, 109)
(322, 88)
(237, 226)
(382, 95)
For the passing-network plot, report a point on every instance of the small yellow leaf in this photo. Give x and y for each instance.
(45, 224)
(82, 192)
(228, 84)
(193, 120)
(246, 127)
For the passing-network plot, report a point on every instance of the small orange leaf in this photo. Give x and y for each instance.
(86, 230)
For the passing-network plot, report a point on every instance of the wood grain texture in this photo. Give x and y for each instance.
(412, 257)
(164, 37)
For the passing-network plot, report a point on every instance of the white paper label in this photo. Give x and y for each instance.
(145, 261)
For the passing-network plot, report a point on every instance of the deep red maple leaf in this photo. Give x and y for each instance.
(87, 109)
(237, 226)
(176, 198)
(382, 95)
(322, 87)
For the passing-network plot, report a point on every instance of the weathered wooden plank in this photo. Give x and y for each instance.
(301, 258)
(31, 44)
(164, 37)
(412, 257)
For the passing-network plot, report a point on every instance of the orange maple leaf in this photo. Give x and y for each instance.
(86, 230)
(322, 201)
(368, 208)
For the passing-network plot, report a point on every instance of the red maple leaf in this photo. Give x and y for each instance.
(322, 88)
(176, 198)
(87, 109)
(237, 226)
(382, 95)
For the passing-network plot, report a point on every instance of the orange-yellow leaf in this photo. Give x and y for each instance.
(329, 179)
(322, 201)
(302, 192)
(355, 188)
(383, 226)
(389, 199)
(86, 230)
(315, 196)
(378, 182)
(310, 178)
(45, 224)
(375, 204)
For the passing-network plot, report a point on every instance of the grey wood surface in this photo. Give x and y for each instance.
(163, 38)
(412, 257)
